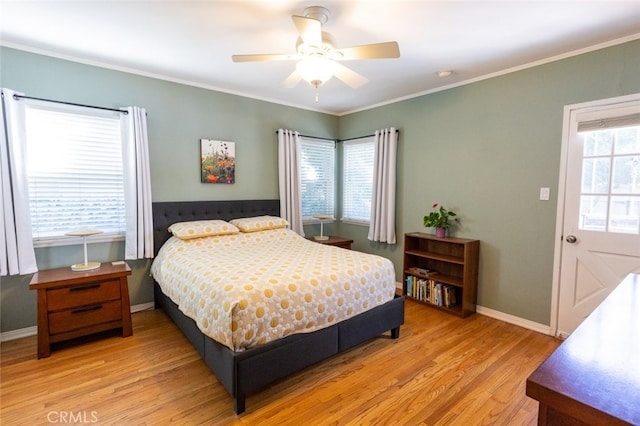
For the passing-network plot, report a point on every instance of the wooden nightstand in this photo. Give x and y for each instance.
(335, 241)
(73, 304)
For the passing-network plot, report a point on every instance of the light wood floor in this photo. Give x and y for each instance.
(442, 371)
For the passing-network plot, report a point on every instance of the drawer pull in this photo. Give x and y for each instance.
(86, 309)
(84, 287)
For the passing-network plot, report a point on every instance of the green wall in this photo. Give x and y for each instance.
(178, 116)
(483, 150)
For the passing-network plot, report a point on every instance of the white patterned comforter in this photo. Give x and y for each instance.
(248, 289)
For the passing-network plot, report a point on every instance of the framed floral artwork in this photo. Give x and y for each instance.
(217, 161)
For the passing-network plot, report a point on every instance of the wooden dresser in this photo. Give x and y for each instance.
(594, 376)
(73, 304)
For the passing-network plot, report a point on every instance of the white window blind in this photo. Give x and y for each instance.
(608, 123)
(75, 170)
(357, 179)
(317, 176)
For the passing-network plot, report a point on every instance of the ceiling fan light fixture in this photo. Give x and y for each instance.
(315, 70)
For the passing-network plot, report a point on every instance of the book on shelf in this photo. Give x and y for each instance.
(449, 296)
(431, 291)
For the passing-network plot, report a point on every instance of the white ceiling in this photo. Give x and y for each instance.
(192, 41)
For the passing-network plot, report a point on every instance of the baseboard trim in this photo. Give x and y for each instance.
(32, 331)
(142, 307)
(511, 319)
(18, 334)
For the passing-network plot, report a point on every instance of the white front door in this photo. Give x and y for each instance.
(600, 210)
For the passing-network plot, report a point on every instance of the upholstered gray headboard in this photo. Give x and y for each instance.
(169, 212)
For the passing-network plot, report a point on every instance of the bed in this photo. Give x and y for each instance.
(242, 367)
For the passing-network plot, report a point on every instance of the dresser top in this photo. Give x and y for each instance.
(596, 371)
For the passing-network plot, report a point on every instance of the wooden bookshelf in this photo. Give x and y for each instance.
(437, 266)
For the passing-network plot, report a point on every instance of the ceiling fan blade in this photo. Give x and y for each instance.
(348, 76)
(265, 57)
(371, 51)
(293, 79)
(310, 30)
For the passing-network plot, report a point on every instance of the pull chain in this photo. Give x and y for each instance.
(316, 84)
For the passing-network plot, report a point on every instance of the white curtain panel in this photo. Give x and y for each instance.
(382, 226)
(16, 244)
(135, 152)
(289, 178)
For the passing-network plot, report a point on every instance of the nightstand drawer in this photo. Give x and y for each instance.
(84, 316)
(81, 295)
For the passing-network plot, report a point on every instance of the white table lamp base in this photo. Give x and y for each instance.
(85, 266)
(321, 237)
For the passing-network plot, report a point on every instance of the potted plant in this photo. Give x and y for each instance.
(439, 219)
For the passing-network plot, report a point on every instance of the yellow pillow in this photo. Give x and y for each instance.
(201, 228)
(259, 223)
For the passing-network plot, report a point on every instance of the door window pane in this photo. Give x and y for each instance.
(625, 215)
(610, 198)
(627, 141)
(598, 143)
(593, 213)
(595, 175)
(626, 175)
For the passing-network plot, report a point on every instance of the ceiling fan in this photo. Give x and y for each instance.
(318, 56)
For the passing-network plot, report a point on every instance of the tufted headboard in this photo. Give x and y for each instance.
(169, 212)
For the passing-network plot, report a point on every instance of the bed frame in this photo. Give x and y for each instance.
(243, 373)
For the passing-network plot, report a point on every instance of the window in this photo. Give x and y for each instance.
(75, 171)
(317, 177)
(610, 185)
(357, 179)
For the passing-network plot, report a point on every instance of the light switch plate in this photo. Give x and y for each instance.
(544, 194)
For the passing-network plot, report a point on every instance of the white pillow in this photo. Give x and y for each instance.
(202, 228)
(259, 223)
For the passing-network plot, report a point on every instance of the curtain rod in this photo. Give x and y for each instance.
(18, 97)
(340, 140)
(360, 137)
(315, 137)
(319, 137)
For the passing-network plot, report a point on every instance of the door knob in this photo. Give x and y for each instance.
(571, 239)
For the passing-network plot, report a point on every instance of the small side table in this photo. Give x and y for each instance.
(335, 241)
(73, 304)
